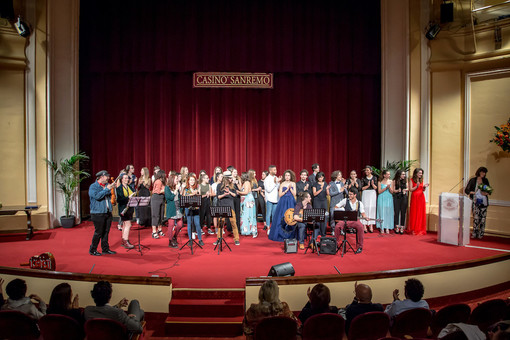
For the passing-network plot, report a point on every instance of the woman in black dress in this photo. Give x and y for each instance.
(124, 192)
(354, 182)
(399, 189)
(480, 200)
(320, 201)
(143, 187)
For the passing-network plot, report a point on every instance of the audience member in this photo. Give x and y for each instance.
(318, 302)
(2, 300)
(269, 305)
(361, 304)
(469, 332)
(16, 291)
(102, 293)
(500, 331)
(62, 302)
(413, 291)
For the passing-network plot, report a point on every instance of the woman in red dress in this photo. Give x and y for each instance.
(417, 216)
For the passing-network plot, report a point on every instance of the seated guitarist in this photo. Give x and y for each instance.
(304, 202)
(351, 204)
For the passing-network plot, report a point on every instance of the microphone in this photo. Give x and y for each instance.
(337, 270)
(456, 184)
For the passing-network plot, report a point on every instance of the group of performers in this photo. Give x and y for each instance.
(380, 202)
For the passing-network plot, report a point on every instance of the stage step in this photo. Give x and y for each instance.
(205, 312)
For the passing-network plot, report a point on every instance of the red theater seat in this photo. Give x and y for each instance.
(369, 326)
(324, 326)
(60, 327)
(414, 322)
(16, 325)
(105, 329)
(449, 314)
(276, 327)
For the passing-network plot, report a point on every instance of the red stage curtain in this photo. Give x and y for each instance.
(137, 104)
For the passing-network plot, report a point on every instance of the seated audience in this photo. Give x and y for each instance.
(61, 302)
(102, 293)
(413, 291)
(16, 291)
(361, 304)
(2, 301)
(499, 331)
(469, 332)
(318, 302)
(269, 305)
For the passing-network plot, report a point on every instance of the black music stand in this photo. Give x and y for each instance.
(345, 216)
(135, 202)
(221, 213)
(313, 216)
(189, 202)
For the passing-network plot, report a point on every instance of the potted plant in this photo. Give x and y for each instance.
(394, 166)
(68, 176)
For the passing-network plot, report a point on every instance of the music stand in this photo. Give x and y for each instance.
(313, 216)
(345, 216)
(221, 213)
(135, 202)
(189, 202)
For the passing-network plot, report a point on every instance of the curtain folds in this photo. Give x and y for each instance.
(137, 104)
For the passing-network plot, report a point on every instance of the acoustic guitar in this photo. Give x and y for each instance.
(44, 261)
(288, 216)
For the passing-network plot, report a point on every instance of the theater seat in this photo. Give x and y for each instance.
(414, 322)
(105, 329)
(276, 327)
(369, 326)
(458, 335)
(60, 327)
(16, 325)
(488, 313)
(449, 314)
(324, 326)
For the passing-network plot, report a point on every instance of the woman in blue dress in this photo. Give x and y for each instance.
(385, 211)
(287, 193)
(248, 215)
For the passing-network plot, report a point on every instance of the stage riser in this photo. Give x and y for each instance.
(225, 308)
(207, 294)
(195, 312)
(233, 328)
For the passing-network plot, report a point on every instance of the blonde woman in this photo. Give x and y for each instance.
(184, 175)
(269, 305)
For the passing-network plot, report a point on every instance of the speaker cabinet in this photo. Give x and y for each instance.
(446, 12)
(327, 245)
(282, 269)
(290, 246)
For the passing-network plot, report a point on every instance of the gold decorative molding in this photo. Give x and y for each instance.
(12, 47)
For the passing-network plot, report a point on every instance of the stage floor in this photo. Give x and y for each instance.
(254, 257)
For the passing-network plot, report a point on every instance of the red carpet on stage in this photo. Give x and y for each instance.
(254, 257)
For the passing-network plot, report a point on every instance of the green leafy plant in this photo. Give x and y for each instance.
(393, 167)
(68, 176)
